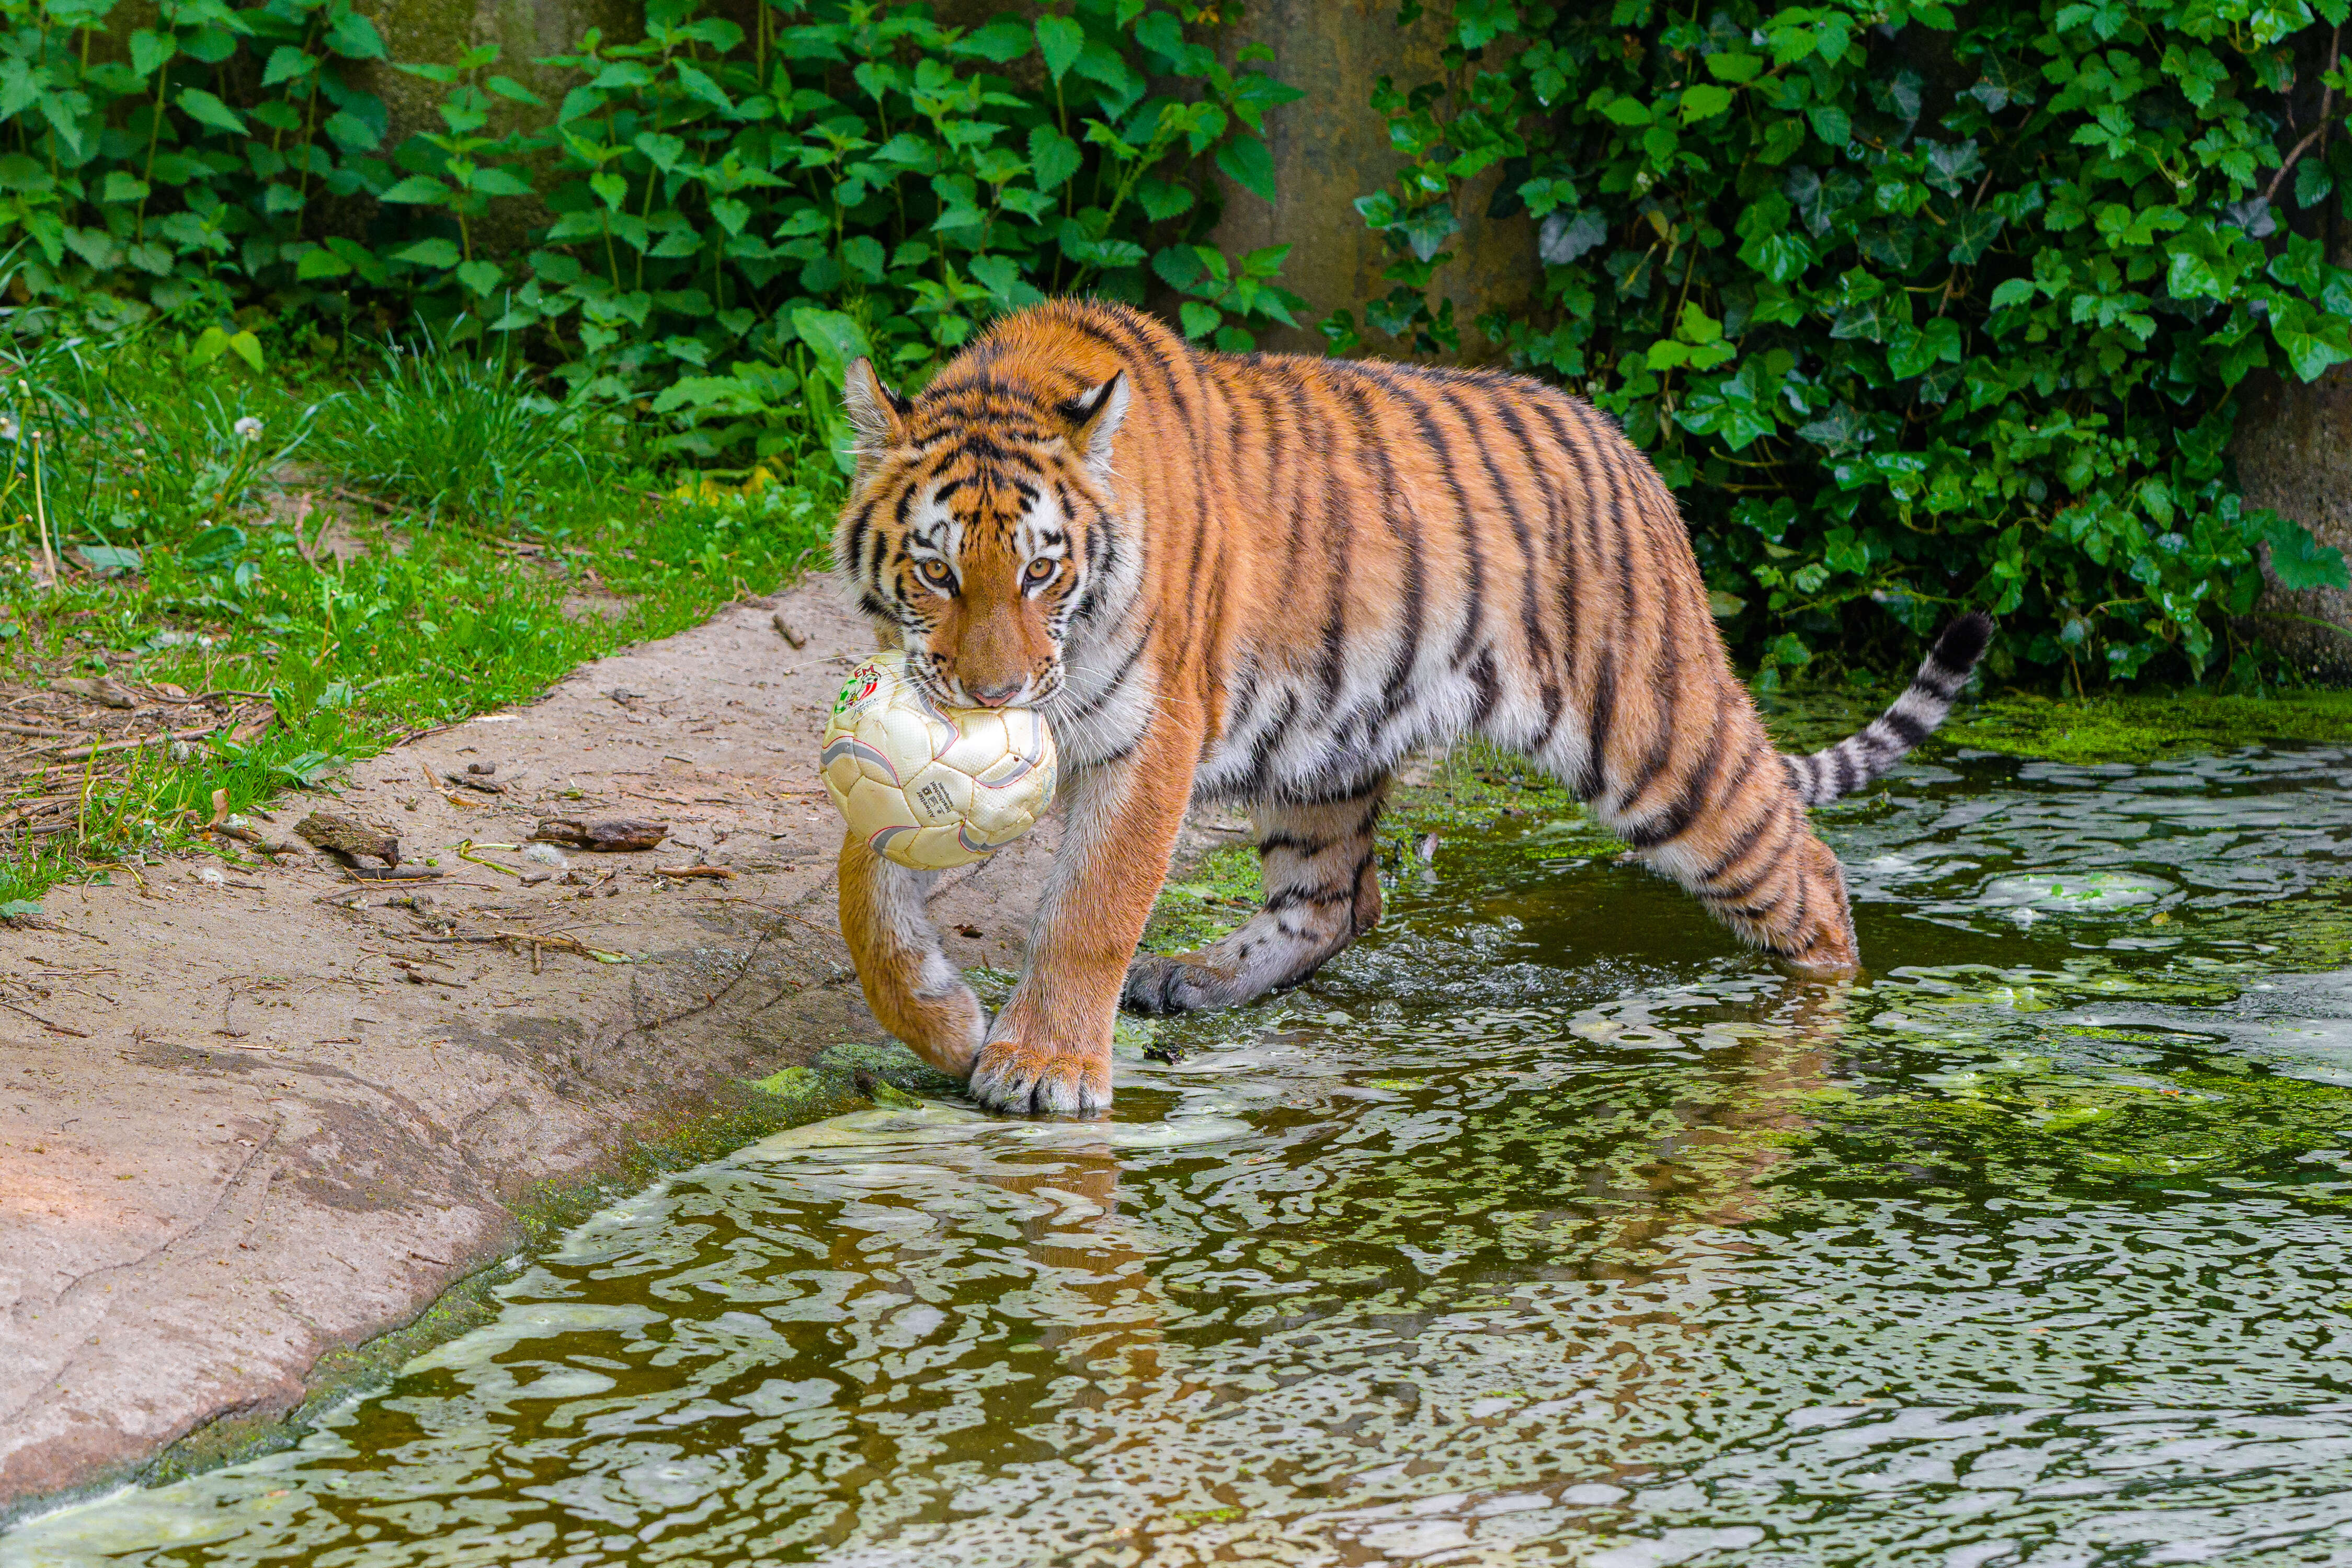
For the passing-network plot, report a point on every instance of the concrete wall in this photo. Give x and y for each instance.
(2295, 440)
(1330, 147)
(437, 32)
(2295, 456)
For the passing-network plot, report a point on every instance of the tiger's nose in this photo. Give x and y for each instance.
(996, 695)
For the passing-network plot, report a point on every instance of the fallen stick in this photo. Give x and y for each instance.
(719, 871)
(208, 696)
(434, 785)
(45, 1023)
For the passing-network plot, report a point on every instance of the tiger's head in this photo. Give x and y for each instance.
(977, 522)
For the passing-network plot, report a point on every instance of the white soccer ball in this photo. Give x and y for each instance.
(930, 786)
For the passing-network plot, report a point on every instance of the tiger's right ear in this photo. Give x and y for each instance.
(877, 413)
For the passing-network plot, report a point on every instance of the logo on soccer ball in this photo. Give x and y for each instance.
(926, 787)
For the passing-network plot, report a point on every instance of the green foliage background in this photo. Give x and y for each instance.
(733, 215)
(1917, 307)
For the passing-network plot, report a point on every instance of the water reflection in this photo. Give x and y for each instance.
(1546, 1227)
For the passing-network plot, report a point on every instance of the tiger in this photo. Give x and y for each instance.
(1264, 581)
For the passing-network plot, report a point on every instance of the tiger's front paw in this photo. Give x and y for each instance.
(1026, 1079)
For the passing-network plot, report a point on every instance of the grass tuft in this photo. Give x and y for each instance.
(459, 435)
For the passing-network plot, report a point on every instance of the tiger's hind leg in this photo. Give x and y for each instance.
(1704, 797)
(1322, 892)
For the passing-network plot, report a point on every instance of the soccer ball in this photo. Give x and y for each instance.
(929, 787)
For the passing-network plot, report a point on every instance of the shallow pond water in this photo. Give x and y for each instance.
(1544, 1226)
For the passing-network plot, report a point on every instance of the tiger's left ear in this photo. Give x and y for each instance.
(1093, 415)
(877, 413)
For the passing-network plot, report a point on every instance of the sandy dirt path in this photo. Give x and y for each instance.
(236, 1133)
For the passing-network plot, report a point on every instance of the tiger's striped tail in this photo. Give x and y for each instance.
(1856, 760)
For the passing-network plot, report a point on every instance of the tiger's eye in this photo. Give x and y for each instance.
(1041, 570)
(936, 573)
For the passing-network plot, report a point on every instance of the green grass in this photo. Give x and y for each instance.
(460, 435)
(189, 561)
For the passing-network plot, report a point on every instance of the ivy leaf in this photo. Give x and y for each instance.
(1061, 40)
(1428, 228)
(1948, 167)
(1180, 266)
(1838, 432)
(2297, 560)
(2013, 292)
(1972, 235)
(1735, 419)
(2313, 342)
(1565, 236)
(1869, 320)
(2303, 266)
(1782, 258)
(1912, 352)
(1833, 125)
(1477, 23)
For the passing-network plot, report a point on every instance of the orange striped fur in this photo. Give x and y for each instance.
(1266, 579)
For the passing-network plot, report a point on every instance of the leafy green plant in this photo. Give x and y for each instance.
(705, 190)
(138, 182)
(722, 202)
(1917, 306)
